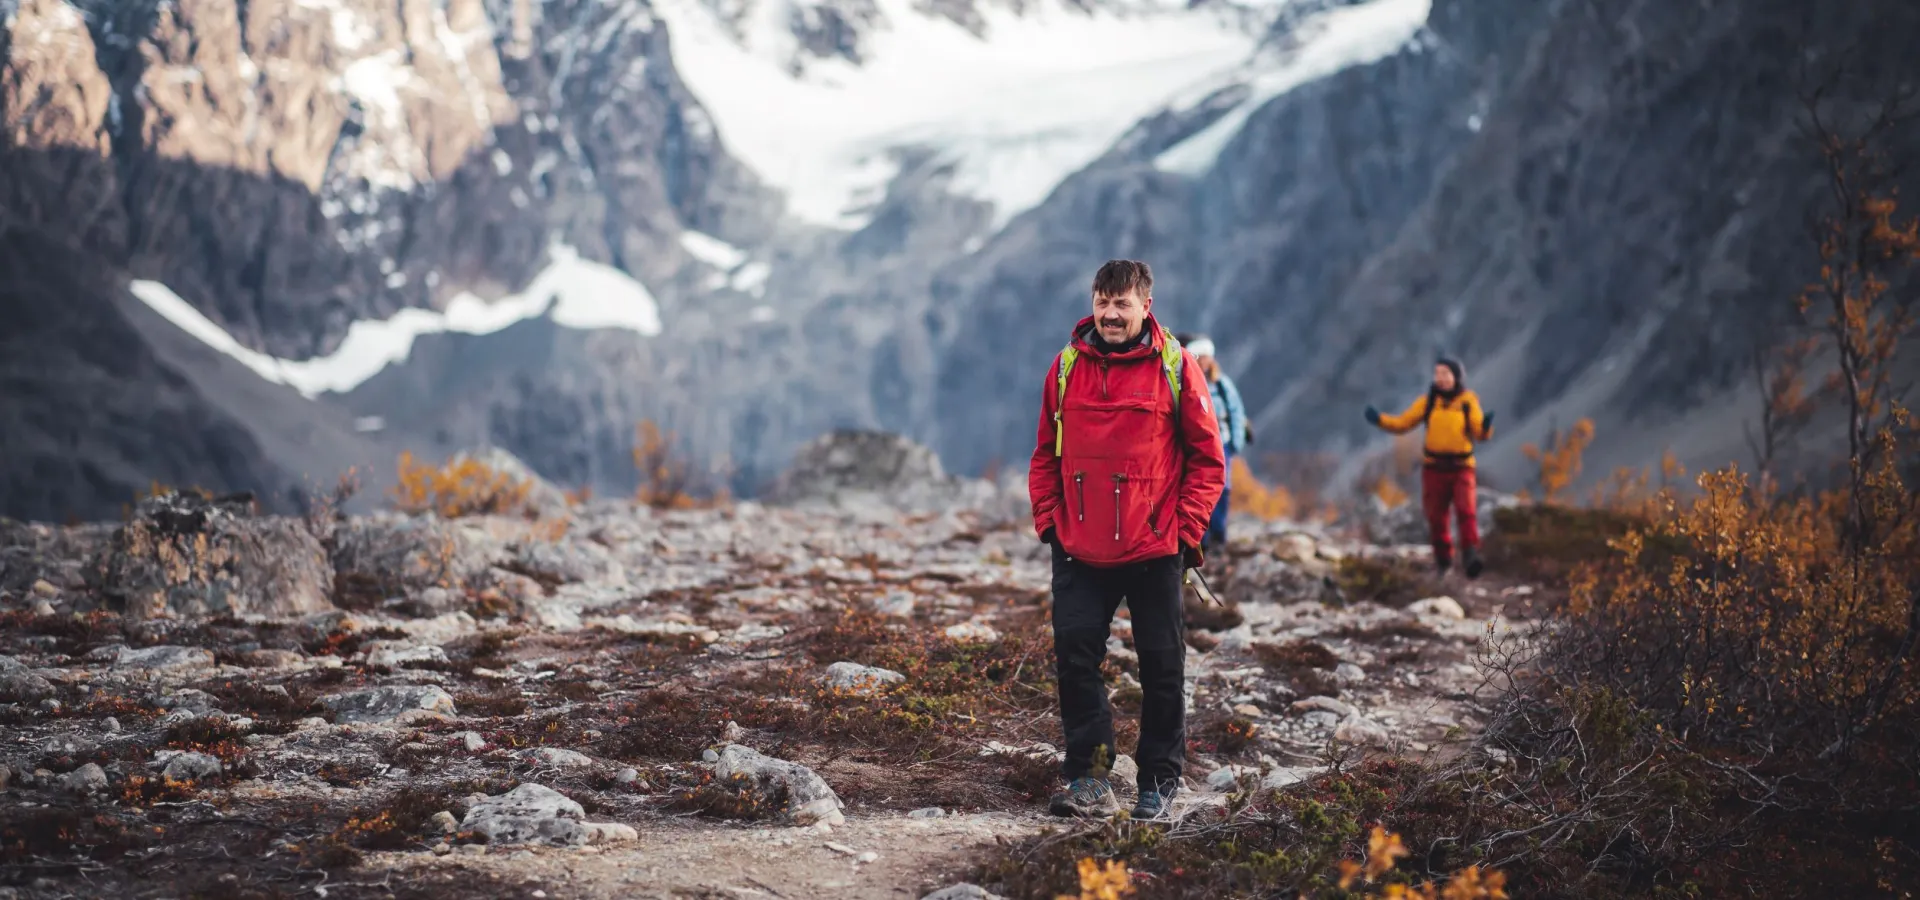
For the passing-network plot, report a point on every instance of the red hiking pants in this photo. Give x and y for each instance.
(1449, 490)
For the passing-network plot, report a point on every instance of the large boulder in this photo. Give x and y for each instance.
(859, 470)
(388, 555)
(190, 554)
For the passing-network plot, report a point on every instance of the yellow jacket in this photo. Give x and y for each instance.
(1453, 426)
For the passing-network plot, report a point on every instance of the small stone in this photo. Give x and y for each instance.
(1443, 607)
(111, 724)
(538, 894)
(272, 659)
(858, 679)
(1349, 674)
(627, 776)
(710, 755)
(1320, 718)
(442, 849)
(445, 821)
(6, 775)
(474, 849)
(962, 892)
(557, 756)
(610, 833)
(978, 632)
(1325, 704)
(1247, 709)
(191, 767)
(164, 658)
(931, 812)
(473, 741)
(389, 704)
(43, 608)
(867, 857)
(1125, 769)
(50, 705)
(1282, 776)
(44, 588)
(1225, 778)
(841, 848)
(84, 780)
(21, 685)
(1358, 729)
(733, 733)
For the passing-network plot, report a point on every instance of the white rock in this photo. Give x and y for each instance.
(394, 654)
(931, 812)
(809, 799)
(164, 658)
(1348, 674)
(733, 733)
(191, 767)
(388, 704)
(1321, 719)
(1443, 607)
(472, 741)
(610, 833)
(445, 821)
(627, 776)
(867, 857)
(973, 632)
(962, 892)
(1360, 730)
(1325, 704)
(530, 813)
(1282, 776)
(558, 757)
(86, 779)
(1125, 770)
(858, 679)
(1226, 778)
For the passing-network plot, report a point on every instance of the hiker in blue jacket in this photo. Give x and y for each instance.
(1235, 432)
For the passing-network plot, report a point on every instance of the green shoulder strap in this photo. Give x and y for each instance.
(1067, 358)
(1169, 364)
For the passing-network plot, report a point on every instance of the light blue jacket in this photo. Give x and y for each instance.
(1232, 415)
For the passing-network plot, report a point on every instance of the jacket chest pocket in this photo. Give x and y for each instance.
(1133, 428)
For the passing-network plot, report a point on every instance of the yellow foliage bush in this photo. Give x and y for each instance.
(1110, 881)
(1254, 497)
(460, 487)
(1559, 461)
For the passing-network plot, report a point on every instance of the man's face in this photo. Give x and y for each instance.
(1119, 317)
(1442, 377)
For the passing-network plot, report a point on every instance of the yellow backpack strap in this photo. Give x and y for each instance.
(1170, 364)
(1067, 357)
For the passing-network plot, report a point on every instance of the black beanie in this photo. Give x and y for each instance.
(1459, 371)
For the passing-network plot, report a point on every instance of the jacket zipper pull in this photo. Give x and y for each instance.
(1080, 487)
(1117, 478)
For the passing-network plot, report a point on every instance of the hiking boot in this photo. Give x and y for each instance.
(1441, 564)
(1154, 804)
(1474, 566)
(1084, 796)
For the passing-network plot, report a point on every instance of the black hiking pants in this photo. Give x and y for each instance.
(1084, 601)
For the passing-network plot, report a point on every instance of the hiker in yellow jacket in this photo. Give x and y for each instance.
(1454, 419)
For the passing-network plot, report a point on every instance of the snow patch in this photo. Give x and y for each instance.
(712, 250)
(752, 279)
(1041, 96)
(1333, 41)
(576, 293)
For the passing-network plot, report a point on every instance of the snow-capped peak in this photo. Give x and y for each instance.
(820, 96)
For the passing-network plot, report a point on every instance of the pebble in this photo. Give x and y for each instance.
(627, 776)
(473, 741)
(1247, 709)
(1347, 674)
(43, 608)
(474, 849)
(86, 779)
(111, 724)
(44, 588)
(866, 857)
(1325, 704)
(733, 733)
(931, 812)
(442, 849)
(445, 821)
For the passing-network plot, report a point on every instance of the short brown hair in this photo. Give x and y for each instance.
(1122, 276)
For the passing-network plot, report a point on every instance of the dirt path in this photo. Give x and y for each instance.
(682, 859)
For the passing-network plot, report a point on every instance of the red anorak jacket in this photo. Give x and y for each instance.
(1132, 481)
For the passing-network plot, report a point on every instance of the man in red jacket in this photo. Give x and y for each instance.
(1124, 476)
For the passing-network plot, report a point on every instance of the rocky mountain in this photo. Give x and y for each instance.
(252, 242)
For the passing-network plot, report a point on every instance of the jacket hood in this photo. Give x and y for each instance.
(1149, 344)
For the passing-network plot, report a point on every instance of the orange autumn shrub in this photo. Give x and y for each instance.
(462, 486)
